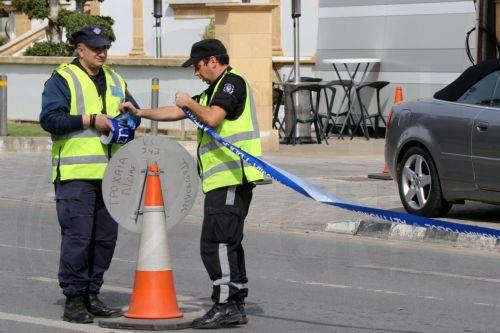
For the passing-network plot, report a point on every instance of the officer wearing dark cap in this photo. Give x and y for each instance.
(77, 102)
(91, 35)
(227, 106)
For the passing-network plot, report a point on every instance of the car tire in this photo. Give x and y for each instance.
(419, 185)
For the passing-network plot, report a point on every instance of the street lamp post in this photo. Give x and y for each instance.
(296, 41)
(158, 14)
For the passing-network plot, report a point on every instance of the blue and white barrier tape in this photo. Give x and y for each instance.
(318, 194)
(121, 133)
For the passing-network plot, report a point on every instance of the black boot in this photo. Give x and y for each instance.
(241, 308)
(218, 316)
(99, 309)
(75, 310)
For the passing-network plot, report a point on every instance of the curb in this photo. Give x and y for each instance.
(398, 231)
(10, 144)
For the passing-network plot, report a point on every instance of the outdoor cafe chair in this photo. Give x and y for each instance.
(314, 92)
(328, 121)
(349, 121)
(377, 85)
(278, 124)
(278, 94)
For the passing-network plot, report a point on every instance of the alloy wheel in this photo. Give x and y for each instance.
(416, 180)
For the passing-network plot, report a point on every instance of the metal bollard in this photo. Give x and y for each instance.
(3, 105)
(155, 93)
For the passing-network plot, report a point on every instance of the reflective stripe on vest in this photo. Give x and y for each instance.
(219, 166)
(233, 139)
(80, 102)
(80, 154)
(87, 159)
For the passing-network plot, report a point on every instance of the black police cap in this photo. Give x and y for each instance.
(91, 35)
(203, 49)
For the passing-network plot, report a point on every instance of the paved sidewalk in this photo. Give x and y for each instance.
(341, 168)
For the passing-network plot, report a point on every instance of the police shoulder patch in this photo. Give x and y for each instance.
(228, 88)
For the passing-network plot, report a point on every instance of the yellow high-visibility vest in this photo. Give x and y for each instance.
(219, 167)
(80, 154)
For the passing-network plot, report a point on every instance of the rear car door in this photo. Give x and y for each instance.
(486, 143)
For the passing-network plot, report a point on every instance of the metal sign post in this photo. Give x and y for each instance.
(155, 94)
(3, 105)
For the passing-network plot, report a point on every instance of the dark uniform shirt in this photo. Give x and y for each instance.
(230, 96)
(56, 103)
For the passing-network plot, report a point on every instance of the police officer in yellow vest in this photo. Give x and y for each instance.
(227, 106)
(77, 102)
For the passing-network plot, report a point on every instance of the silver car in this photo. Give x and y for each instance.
(445, 150)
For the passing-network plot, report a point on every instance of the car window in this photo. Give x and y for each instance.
(482, 92)
(495, 100)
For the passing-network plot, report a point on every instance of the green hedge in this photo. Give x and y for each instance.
(49, 49)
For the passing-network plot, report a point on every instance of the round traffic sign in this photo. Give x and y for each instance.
(125, 176)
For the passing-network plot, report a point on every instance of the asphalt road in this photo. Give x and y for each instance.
(301, 279)
(306, 281)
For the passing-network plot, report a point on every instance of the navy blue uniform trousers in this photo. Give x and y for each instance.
(88, 236)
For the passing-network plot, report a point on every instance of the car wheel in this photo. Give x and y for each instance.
(419, 185)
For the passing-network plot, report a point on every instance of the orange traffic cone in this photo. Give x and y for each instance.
(398, 97)
(384, 175)
(154, 293)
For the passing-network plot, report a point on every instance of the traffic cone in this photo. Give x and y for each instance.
(384, 175)
(398, 96)
(154, 295)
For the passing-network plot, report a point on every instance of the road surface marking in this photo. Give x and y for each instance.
(51, 251)
(414, 271)
(55, 323)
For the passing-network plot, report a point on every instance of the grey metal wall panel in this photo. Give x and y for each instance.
(346, 3)
(394, 32)
(408, 60)
(420, 49)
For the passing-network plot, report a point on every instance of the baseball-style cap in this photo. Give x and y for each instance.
(205, 48)
(91, 35)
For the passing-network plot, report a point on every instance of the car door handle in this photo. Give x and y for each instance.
(482, 126)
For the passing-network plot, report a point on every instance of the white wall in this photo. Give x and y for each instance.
(121, 12)
(179, 35)
(308, 27)
(25, 77)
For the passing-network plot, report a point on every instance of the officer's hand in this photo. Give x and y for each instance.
(182, 99)
(127, 106)
(102, 123)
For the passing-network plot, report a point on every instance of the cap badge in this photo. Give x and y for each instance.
(97, 31)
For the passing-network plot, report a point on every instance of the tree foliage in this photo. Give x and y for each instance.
(35, 9)
(209, 32)
(70, 21)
